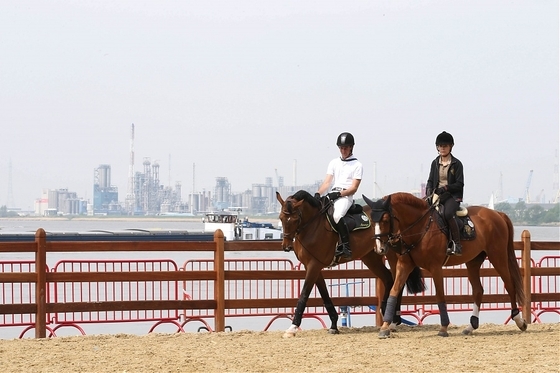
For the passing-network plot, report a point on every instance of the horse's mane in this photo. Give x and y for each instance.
(304, 195)
(408, 199)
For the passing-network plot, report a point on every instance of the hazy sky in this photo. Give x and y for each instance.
(241, 88)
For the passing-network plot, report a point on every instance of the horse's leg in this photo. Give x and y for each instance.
(375, 264)
(505, 263)
(437, 276)
(327, 302)
(403, 269)
(473, 273)
(312, 272)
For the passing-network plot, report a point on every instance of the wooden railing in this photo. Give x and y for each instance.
(44, 305)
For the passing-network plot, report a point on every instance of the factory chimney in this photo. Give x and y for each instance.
(130, 189)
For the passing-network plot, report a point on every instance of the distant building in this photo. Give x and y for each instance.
(54, 202)
(105, 196)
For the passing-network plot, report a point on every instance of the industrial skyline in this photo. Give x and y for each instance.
(146, 193)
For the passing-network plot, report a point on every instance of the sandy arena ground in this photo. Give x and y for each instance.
(492, 348)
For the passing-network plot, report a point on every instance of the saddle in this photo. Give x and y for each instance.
(464, 222)
(355, 218)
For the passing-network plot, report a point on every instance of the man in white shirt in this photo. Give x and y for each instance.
(343, 178)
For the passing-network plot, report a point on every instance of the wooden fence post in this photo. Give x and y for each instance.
(527, 279)
(220, 284)
(379, 291)
(41, 285)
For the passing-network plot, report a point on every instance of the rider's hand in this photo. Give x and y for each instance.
(334, 196)
(429, 200)
(317, 196)
(439, 191)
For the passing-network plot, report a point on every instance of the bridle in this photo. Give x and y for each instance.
(300, 227)
(396, 241)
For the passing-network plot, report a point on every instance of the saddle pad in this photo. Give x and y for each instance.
(467, 230)
(353, 221)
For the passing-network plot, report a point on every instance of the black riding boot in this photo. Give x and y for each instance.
(343, 249)
(454, 245)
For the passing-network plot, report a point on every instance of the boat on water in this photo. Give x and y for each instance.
(236, 228)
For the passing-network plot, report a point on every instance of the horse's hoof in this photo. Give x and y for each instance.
(393, 327)
(334, 331)
(288, 335)
(468, 330)
(523, 327)
(384, 334)
(443, 334)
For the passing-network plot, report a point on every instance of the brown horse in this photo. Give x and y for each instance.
(307, 232)
(408, 226)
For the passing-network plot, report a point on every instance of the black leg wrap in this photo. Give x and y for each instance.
(391, 307)
(443, 315)
(299, 312)
(514, 312)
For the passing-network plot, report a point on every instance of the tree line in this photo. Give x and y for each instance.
(533, 214)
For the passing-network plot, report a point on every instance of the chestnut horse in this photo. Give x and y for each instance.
(307, 232)
(408, 226)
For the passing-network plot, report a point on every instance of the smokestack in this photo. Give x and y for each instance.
(130, 188)
(193, 189)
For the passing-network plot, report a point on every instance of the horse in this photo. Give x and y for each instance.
(408, 225)
(308, 233)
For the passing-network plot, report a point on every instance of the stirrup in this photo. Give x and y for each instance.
(454, 248)
(342, 250)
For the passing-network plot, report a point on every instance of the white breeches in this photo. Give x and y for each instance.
(341, 207)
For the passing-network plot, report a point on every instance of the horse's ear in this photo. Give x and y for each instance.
(387, 203)
(279, 198)
(297, 204)
(368, 201)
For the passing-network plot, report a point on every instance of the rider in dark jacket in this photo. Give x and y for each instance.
(447, 181)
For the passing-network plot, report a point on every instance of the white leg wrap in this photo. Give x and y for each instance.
(292, 329)
(476, 311)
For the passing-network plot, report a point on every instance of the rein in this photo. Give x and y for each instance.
(397, 242)
(322, 211)
(300, 227)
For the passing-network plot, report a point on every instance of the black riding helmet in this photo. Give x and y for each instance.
(444, 138)
(345, 139)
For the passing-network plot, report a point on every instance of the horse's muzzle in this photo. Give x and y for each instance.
(381, 248)
(287, 245)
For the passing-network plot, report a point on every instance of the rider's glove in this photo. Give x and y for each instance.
(317, 196)
(334, 196)
(440, 191)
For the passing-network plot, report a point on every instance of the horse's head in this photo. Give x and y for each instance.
(383, 222)
(290, 216)
(396, 217)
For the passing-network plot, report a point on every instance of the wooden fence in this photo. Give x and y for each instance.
(41, 279)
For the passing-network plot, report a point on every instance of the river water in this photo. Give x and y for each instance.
(538, 233)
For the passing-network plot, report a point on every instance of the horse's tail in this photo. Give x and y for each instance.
(415, 282)
(514, 270)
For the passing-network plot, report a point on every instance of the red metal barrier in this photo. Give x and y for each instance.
(114, 291)
(18, 293)
(547, 284)
(241, 289)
